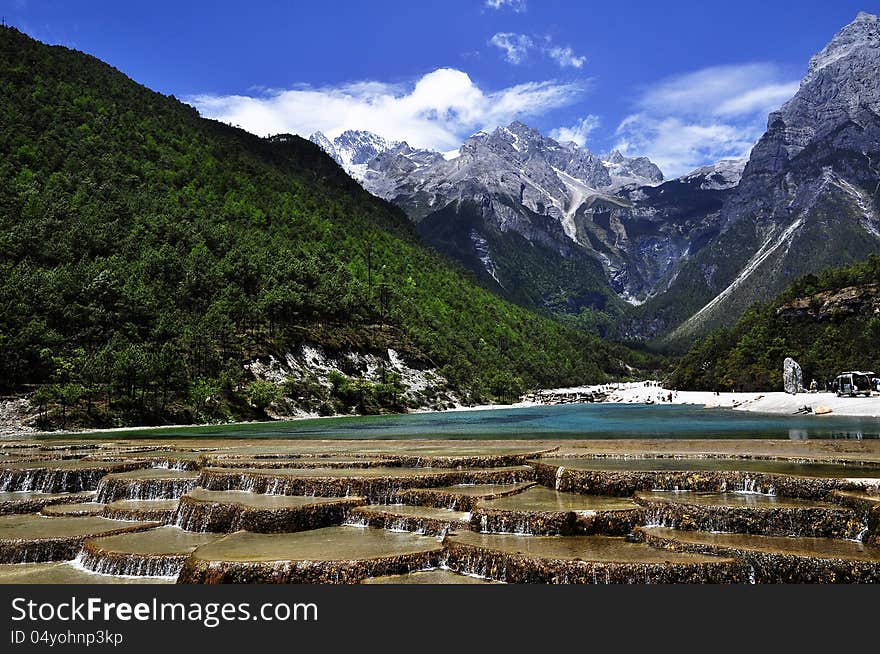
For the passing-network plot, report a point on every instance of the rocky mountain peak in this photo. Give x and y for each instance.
(516, 136)
(721, 175)
(862, 33)
(359, 146)
(631, 171)
(319, 139)
(807, 197)
(354, 149)
(841, 86)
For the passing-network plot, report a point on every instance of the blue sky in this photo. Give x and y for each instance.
(683, 82)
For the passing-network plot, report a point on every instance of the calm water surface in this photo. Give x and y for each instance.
(558, 422)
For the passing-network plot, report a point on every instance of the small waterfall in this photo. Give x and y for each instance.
(190, 517)
(41, 551)
(413, 525)
(226, 517)
(655, 516)
(129, 565)
(753, 486)
(478, 564)
(400, 523)
(176, 464)
(163, 515)
(47, 480)
(110, 489)
(356, 520)
(502, 523)
(559, 472)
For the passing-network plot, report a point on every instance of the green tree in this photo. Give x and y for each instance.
(261, 394)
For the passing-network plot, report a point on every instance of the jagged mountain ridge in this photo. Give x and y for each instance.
(353, 149)
(612, 218)
(506, 194)
(809, 196)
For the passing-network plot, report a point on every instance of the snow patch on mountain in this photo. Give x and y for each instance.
(631, 171)
(717, 176)
(354, 149)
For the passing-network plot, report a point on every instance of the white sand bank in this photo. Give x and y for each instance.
(777, 402)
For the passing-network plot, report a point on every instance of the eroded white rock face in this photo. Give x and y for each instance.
(16, 416)
(424, 387)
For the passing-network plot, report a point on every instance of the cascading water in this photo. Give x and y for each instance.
(130, 566)
(655, 516)
(47, 480)
(113, 488)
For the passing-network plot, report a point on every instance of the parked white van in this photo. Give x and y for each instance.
(853, 383)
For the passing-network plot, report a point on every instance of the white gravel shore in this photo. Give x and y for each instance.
(775, 402)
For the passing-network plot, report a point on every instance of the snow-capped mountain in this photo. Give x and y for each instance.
(353, 149)
(513, 197)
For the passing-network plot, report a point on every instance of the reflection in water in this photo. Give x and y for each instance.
(798, 434)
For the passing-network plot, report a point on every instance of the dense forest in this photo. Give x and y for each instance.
(147, 254)
(828, 323)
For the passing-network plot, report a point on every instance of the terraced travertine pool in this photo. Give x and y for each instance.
(240, 511)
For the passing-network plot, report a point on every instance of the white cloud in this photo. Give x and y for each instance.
(514, 46)
(438, 111)
(577, 132)
(689, 120)
(517, 6)
(566, 57)
(763, 99)
(679, 146)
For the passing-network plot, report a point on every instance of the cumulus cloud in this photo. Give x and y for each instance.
(437, 111)
(517, 6)
(565, 57)
(579, 132)
(516, 47)
(689, 120)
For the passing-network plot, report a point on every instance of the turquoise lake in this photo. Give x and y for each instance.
(558, 422)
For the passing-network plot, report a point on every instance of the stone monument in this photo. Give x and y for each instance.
(792, 376)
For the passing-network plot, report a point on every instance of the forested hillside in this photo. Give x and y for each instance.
(828, 323)
(147, 254)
